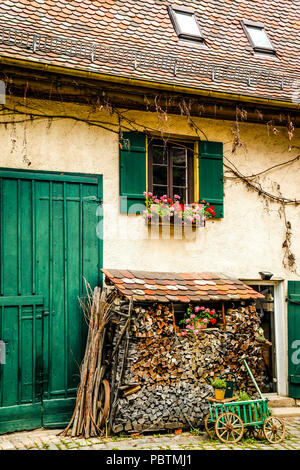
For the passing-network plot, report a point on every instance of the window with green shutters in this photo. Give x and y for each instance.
(132, 162)
(133, 173)
(211, 175)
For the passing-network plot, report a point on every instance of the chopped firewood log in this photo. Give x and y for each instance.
(131, 391)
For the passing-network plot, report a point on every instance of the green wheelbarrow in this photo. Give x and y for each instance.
(228, 421)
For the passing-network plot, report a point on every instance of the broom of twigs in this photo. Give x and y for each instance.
(98, 310)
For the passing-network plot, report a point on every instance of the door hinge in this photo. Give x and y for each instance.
(92, 199)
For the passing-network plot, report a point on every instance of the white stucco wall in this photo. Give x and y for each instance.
(247, 240)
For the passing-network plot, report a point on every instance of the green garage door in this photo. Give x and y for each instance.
(48, 246)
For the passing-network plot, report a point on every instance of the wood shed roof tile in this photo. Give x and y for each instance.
(189, 287)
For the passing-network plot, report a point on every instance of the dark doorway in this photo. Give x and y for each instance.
(265, 309)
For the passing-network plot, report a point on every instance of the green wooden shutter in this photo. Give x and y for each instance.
(211, 175)
(294, 338)
(132, 172)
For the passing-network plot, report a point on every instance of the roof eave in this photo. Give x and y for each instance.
(41, 66)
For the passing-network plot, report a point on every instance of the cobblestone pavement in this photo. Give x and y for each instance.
(49, 439)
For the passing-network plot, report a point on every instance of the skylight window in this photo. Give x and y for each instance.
(185, 23)
(258, 37)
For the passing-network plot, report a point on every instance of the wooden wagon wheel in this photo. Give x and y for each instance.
(274, 429)
(103, 403)
(229, 427)
(209, 426)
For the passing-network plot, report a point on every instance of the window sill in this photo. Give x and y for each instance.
(173, 222)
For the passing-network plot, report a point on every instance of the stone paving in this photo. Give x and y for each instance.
(197, 439)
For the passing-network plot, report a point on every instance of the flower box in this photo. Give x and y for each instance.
(166, 211)
(174, 221)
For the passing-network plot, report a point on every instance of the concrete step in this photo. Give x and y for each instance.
(286, 412)
(277, 401)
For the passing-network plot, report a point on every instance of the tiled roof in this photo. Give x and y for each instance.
(145, 26)
(178, 287)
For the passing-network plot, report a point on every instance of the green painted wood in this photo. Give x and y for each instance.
(211, 175)
(50, 176)
(48, 235)
(21, 300)
(20, 417)
(294, 338)
(245, 411)
(132, 165)
(57, 412)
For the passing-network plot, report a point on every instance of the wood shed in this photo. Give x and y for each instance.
(158, 372)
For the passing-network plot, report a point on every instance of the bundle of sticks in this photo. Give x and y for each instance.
(85, 419)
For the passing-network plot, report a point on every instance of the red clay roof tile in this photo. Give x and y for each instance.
(159, 286)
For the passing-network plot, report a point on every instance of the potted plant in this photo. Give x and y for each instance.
(220, 387)
(198, 318)
(204, 316)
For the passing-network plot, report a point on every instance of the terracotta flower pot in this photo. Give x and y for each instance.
(178, 431)
(201, 325)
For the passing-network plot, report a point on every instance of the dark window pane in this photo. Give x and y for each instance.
(160, 175)
(160, 191)
(170, 160)
(179, 157)
(160, 154)
(179, 176)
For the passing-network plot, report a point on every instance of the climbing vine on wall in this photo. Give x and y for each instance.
(23, 113)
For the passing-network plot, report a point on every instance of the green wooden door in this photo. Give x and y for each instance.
(294, 338)
(48, 246)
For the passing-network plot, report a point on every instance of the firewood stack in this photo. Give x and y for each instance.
(167, 376)
(242, 324)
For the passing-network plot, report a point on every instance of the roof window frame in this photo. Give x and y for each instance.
(259, 25)
(183, 35)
